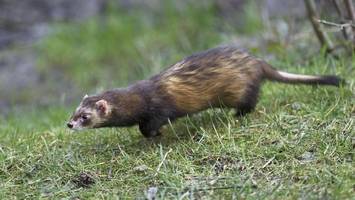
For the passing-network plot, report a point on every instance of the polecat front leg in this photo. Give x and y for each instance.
(150, 128)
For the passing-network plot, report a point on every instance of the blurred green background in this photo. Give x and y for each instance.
(297, 144)
(54, 53)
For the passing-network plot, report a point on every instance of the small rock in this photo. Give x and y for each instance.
(141, 168)
(296, 106)
(151, 193)
(307, 157)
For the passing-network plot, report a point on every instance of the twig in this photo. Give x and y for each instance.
(341, 26)
(268, 162)
(217, 188)
(161, 163)
(321, 35)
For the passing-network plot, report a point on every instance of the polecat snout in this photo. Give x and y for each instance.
(223, 76)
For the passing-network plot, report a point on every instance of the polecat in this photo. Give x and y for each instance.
(219, 77)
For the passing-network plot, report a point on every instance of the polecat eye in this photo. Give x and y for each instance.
(84, 117)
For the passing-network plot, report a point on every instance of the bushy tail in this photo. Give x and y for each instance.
(272, 74)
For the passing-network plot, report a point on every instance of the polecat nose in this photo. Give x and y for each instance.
(70, 125)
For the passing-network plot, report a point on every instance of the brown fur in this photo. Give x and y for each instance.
(219, 77)
(222, 80)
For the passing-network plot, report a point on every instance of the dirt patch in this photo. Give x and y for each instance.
(221, 163)
(84, 179)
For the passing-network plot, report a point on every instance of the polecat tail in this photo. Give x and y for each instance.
(274, 75)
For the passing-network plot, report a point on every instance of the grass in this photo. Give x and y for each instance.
(298, 144)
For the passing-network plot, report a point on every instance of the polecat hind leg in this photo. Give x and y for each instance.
(249, 101)
(242, 110)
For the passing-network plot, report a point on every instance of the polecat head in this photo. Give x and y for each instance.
(92, 112)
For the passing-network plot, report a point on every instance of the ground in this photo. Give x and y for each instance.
(297, 144)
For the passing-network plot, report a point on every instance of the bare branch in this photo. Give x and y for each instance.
(351, 12)
(350, 7)
(338, 8)
(321, 35)
(341, 14)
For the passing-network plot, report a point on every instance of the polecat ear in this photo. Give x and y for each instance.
(86, 96)
(102, 106)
